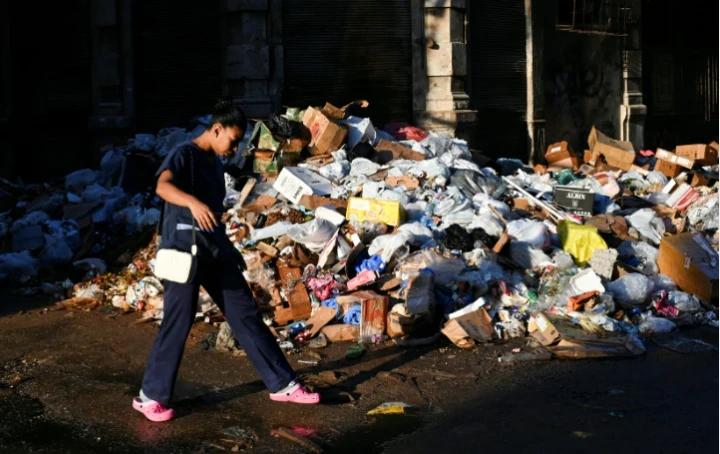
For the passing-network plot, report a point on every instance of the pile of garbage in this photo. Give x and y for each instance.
(72, 235)
(356, 233)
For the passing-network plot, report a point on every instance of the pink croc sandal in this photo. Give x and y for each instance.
(154, 411)
(297, 394)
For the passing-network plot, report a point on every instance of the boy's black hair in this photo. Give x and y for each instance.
(227, 114)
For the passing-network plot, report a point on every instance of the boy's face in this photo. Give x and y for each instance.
(226, 139)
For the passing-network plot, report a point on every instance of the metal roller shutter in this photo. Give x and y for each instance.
(52, 90)
(340, 51)
(497, 82)
(178, 70)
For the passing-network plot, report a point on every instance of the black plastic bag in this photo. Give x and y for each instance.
(283, 127)
(362, 150)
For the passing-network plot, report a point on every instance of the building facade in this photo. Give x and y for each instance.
(509, 76)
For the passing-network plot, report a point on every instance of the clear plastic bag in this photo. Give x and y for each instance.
(633, 288)
(684, 302)
(655, 325)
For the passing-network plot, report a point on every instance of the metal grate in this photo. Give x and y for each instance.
(598, 17)
(342, 51)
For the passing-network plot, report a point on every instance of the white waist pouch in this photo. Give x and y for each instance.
(171, 264)
(176, 266)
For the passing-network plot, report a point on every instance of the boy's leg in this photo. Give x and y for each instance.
(179, 308)
(231, 293)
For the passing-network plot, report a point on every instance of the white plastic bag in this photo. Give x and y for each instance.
(78, 180)
(55, 252)
(95, 193)
(534, 233)
(18, 265)
(527, 256)
(390, 244)
(363, 166)
(314, 234)
(145, 142)
(648, 223)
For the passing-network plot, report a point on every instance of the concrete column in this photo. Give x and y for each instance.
(113, 77)
(633, 112)
(112, 64)
(253, 55)
(534, 11)
(7, 166)
(440, 98)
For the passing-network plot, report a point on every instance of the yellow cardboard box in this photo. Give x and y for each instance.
(386, 211)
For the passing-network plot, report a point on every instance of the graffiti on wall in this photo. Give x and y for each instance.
(582, 87)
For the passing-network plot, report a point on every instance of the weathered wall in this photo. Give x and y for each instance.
(582, 84)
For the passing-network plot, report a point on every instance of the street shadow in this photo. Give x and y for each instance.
(331, 396)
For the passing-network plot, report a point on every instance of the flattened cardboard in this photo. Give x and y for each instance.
(692, 263)
(313, 202)
(408, 181)
(298, 305)
(565, 339)
(340, 333)
(322, 316)
(389, 150)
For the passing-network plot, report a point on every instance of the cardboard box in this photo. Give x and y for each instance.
(265, 163)
(617, 153)
(578, 201)
(702, 179)
(467, 328)
(706, 155)
(388, 212)
(565, 339)
(561, 156)
(326, 136)
(294, 182)
(340, 113)
(373, 316)
(389, 150)
(668, 168)
(295, 145)
(682, 197)
(682, 161)
(692, 263)
(267, 140)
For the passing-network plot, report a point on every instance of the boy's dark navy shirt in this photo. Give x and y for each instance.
(209, 188)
